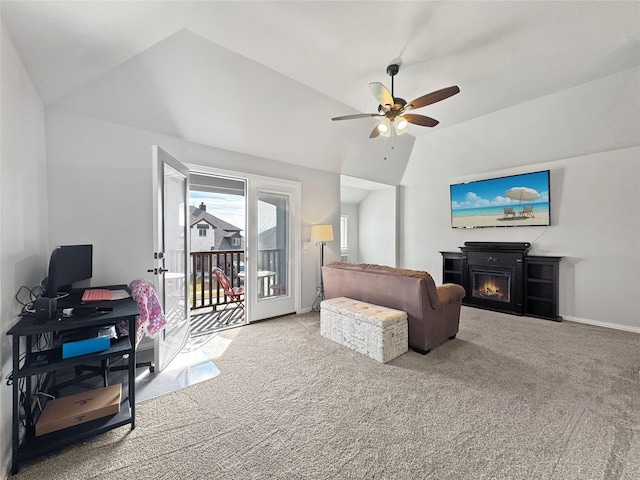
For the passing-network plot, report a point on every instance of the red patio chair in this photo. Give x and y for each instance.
(234, 295)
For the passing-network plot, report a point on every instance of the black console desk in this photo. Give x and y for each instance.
(48, 361)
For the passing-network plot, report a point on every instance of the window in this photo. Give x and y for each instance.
(235, 241)
(344, 242)
(202, 229)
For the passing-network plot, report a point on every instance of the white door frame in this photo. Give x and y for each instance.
(295, 234)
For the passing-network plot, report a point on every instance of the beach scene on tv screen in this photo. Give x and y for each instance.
(518, 200)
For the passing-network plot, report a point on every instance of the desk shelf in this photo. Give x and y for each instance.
(52, 359)
(34, 447)
(25, 444)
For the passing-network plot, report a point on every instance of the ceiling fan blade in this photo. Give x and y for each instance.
(381, 93)
(375, 132)
(358, 115)
(433, 97)
(420, 120)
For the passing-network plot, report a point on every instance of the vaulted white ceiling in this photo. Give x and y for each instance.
(265, 78)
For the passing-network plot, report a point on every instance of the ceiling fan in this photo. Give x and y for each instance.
(394, 109)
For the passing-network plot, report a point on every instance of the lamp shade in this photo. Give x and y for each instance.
(321, 233)
(384, 127)
(401, 125)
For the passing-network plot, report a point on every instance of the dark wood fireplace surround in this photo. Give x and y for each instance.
(501, 276)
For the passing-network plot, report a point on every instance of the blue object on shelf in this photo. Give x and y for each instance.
(82, 347)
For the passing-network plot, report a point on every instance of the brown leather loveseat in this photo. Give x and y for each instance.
(433, 313)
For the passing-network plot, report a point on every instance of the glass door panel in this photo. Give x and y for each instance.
(273, 238)
(171, 250)
(273, 245)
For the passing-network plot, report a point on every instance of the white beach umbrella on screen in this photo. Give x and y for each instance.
(522, 193)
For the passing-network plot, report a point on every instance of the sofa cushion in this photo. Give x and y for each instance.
(373, 268)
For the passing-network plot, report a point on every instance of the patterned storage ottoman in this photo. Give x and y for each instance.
(378, 332)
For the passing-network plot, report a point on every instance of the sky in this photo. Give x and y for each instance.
(488, 193)
(231, 208)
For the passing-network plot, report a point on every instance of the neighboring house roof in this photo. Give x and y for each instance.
(197, 215)
(224, 230)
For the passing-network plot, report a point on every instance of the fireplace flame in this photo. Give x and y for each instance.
(492, 286)
(489, 288)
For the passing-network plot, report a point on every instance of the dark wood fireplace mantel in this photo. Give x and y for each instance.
(501, 276)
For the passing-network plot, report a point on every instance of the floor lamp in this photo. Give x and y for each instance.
(321, 234)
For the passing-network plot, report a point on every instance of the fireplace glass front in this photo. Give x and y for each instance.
(489, 285)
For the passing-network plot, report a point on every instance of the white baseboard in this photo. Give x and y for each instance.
(597, 323)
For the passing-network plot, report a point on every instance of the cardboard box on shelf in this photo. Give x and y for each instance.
(80, 408)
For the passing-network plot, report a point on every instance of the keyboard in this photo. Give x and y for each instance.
(96, 295)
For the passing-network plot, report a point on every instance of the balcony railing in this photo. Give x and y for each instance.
(204, 290)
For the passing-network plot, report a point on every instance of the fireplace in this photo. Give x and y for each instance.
(491, 285)
(503, 276)
(492, 275)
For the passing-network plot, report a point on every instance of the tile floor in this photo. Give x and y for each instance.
(189, 367)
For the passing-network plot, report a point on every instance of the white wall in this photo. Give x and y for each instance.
(598, 116)
(100, 192)
(377, 215)
(353, 236)
(592, 151)
(23, 210)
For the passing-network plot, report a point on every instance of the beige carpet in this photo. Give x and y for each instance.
(509, 398)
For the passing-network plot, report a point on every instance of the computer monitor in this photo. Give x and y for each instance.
(68, 264)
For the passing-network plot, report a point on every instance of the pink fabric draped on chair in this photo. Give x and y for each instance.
(151, 319)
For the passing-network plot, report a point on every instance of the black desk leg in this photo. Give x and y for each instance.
(15, 436)
(132, 370)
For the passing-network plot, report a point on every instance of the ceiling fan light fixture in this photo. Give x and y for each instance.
(384, 127)
(401, 125)
(395, 109)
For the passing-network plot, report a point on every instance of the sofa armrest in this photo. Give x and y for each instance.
(450, 293)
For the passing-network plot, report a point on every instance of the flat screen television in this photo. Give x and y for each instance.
(511, 201)
(68, 264)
